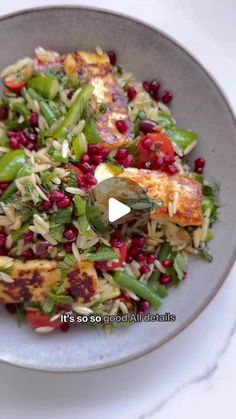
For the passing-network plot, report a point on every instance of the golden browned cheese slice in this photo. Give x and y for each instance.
(33, 279)
(181, 196)
(96, 70)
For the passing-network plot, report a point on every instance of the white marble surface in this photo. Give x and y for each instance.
(194, 374)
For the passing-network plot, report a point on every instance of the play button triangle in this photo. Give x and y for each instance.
(116, 210)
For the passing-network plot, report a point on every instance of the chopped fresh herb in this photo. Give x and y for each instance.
(47, 178)
(119, 70)
(103, 253)
(20, 313)
(211, 201)
(83, 224)
(180, 265)
(6, 269)
(62, 216)
(80, 205)
(17, 234)
(25, 210)
(56, 232)
(95, 219)
(103, 107)
(48, 306)
(66, 265)
(62, 299)
(72, 182)
(205, 253)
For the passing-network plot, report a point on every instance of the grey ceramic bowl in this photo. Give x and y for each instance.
(198, 104)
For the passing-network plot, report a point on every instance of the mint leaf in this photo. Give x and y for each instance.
(66, 264)
(103, 253)
(180, 265)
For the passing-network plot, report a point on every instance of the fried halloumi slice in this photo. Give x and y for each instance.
(32, 280)
(96, 70)
(181, 195)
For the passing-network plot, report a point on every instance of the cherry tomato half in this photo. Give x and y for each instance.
(74, 169)
(112, 265)
(160, 143)
(37, 319)
(14, 85)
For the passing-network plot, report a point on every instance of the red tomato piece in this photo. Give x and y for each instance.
(15, 85)
(37, 319)
(152, 144)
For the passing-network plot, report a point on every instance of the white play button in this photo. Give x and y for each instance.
(116, 210)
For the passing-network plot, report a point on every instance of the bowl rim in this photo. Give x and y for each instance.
(228, 268)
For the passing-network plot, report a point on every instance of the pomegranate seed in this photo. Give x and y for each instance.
(148, 165)
(147, 125)
(3, 252)
(34, 118)
(14, 143)
(96, 159)
(167, 263)
(91, 180)
(156, 96)
(3, 239)
(135, 251)
(169, 159)
(64, 203)
(70, 233)
(147, 86)
(132, 93)
(23, 138)
(151, 258)
(170, 169)
(85, 158)
(32, 136)
(128, 161)
(32, 147)
(147, 144)
(200, 162)
(167, 97)
(158, 163)
(28, 237)
(4, 186)
(94, 150)
(57, 196)
(47, 205)
(117, 243)
(64, 327)
(128, 259)
(144, 306)
(3, 113)
(70, 94)
(86, 168)
(121, 125)
(11, 308)
(199, 170)
(140, 258)
(121, 154)
(144, 269)
(184, 275)
(28, 254)
(68, 247)
(138, 241)
(112, 57)
(154, 86)
(104, 152)
(165, 279)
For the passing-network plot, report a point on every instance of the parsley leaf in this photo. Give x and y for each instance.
(180, 265)
(103, 253)
(72, 182)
